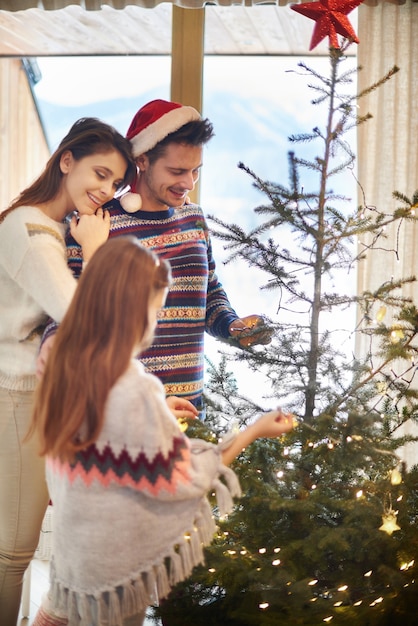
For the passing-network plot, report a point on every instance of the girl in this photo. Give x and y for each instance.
(128, 487)
(90, 164)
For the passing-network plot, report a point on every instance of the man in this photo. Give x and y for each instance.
(167, 140)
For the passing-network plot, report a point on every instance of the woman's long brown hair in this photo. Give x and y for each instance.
(87, 136)
(105, 322)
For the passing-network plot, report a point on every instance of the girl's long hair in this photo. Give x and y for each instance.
(105, 323)
(87, 136)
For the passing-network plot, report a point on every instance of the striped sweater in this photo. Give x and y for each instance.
(196, 301)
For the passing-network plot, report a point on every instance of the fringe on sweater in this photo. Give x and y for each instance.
(112, 606)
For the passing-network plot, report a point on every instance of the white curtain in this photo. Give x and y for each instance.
(95, 5)
(388, 143)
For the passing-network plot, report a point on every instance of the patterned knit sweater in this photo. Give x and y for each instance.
(196, 301)
(35, 284)
(130, 513)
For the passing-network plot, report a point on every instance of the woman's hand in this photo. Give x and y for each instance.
(181, 408)
(90, 231)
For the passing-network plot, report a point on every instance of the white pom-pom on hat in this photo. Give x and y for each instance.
(131, 202)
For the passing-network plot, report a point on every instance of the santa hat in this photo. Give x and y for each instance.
(155, 120)
(150, 125)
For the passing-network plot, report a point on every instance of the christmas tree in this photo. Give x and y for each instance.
(326, 531)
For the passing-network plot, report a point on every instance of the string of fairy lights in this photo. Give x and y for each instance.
(339, 597)
(374, 594)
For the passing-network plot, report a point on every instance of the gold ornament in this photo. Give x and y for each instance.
(382, 387)
(395, 476)
(389, 525)
(380, 315)
(183, 424)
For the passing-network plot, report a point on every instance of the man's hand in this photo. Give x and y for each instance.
(181, 408)
(251, 331)
(90, 231)
(43, 356)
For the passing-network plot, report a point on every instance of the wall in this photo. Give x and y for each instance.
(23, 147)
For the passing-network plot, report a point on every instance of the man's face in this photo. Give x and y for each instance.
(167, 181)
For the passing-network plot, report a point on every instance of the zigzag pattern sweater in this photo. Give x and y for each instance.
(131, 513)
(196, 301)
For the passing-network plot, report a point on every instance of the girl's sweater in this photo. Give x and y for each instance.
(35, 284)
(196, 301)
(130, 513)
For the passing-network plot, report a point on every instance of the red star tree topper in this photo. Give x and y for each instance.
(331, 18)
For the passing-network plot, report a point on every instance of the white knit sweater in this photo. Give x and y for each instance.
(35, 283)
(130, 513)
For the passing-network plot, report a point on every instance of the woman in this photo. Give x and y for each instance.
(128, 487)
(91, 163)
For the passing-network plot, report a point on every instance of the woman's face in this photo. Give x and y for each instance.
(91, 181)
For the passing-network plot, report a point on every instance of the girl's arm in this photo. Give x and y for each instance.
(271, 424)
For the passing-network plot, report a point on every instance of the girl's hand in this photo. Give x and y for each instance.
(91, 231)
(43, 356)
(273, 424)
(181, 408)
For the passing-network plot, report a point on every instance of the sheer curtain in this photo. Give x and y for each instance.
(388, 143)
(95, 5)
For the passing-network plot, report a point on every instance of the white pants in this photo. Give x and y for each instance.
(45, 617)
(23, 499)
